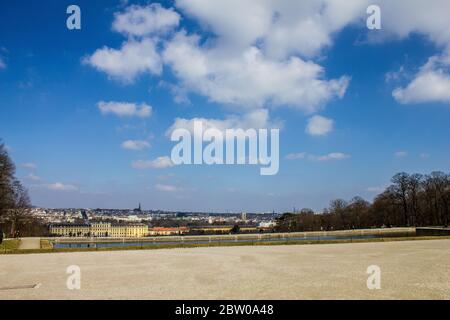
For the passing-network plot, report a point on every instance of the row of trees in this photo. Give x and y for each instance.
(411, 200)
(15, 218)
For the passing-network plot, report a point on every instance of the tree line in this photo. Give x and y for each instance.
(412, 200)
(15, 217)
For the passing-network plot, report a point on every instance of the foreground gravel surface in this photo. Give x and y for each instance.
(409, 270)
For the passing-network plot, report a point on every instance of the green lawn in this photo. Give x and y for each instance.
(9, 245)
(46, 244)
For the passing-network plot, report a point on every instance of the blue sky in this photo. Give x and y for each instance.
(386, 93)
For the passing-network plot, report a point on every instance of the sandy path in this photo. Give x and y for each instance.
(410, 270)
(30, 243)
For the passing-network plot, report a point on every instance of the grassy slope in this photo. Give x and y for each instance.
(9, 245)
(46, 244)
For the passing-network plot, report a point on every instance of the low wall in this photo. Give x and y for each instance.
(391, 232)
(432, 232)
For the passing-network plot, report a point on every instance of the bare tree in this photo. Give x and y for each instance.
(14, 200)
(400, 187)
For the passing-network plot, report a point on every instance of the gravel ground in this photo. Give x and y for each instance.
(409, 270)
(30, 243)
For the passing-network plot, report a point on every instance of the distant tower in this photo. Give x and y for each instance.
(84, 216)
(244, 216)
(138, 210)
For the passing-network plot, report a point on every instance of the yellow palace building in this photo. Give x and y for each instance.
(99, 230)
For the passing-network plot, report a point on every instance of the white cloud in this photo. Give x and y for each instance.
(296, 156)
(248, 79)
(58, 186)
(135, 145)
(431, 84)
(376, 189)
(134, 58)
(166, 188)
(179, 94)
(319, 126)
(433, 24)
(29, 165)
(400, 154)
(257, 119)
(125, 109)
(282, 27)
(425, 156)
(249, 61)
(144, 20)
(392, 76)
(158, 163)
(334, 156)
(33, 177)
(266, 53)
(330, 157)
(2, 64)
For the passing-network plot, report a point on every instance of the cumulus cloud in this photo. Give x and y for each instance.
(266, 54)
(257, 119)
(145, 20)
(125, 109)
(433, 24)
(248, 78)
(431, 84)
(125, 64)
(254, 57)
(282, 27)
(58, 186)
(166, 188)
(179, 94)
(135, 145)
(319, 126)
(158, 163)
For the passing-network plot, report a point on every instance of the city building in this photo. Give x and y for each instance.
(160, 231)
(99, 230)
(138, 209)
